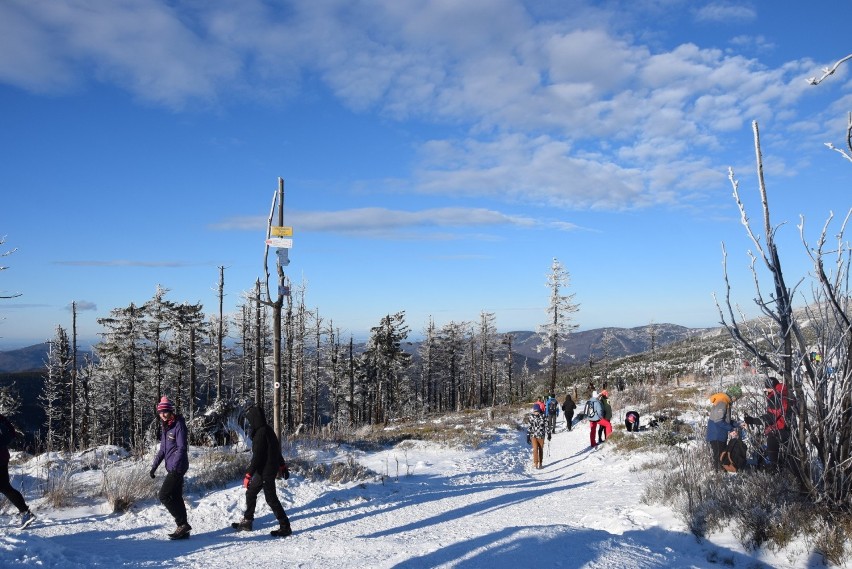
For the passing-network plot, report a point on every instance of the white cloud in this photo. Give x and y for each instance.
(378, 220)
(725, 12)
(563, 112)
(82, 306)
(540, 170)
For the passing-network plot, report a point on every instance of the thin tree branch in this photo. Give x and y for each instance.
(826, 71)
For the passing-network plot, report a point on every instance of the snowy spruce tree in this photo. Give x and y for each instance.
(387, 367)
(559, 323)
(55, 394)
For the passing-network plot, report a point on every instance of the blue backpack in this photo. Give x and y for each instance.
(590, 412)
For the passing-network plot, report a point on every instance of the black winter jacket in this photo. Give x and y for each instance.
(265, 448)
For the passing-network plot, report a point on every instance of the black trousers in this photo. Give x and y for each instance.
(267, 484)
(716, 448)
(774, 441)
(171, 496)
(6, 488)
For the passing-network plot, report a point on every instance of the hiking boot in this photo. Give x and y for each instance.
(181, 532)
(282, 531)
(243, 525)
(27, 518)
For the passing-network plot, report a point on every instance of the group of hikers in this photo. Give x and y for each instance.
(598, 411)
(725, 435)
(265, 467)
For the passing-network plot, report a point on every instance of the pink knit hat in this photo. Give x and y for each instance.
(165, 404)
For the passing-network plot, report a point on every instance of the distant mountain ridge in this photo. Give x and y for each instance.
(583, 346)
(30, 358)
(607, 342)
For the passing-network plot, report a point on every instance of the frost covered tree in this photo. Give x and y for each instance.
(559, 323)
(120, 373)
(189, 327)
(427, 369)
(507, 341)
(55, 396)
(157, 329)
(10, 400)
(486, 337)
(452, 360)
(387, 366)
(819, 448)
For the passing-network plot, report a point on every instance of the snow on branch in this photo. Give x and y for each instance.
(826, 71)
(814, 81)
(847, 155)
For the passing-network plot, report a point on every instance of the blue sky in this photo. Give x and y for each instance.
(436, 155)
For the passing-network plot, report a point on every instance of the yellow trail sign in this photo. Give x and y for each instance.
(281, 231)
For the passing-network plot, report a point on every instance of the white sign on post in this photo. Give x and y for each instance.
(280, 242)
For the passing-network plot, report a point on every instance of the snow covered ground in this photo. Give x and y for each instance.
(431, 507)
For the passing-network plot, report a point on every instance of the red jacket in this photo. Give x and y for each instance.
(778, 406)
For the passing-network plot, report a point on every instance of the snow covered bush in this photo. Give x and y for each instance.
(59, 488)
(123, 486)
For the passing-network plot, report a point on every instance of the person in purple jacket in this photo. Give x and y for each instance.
(173, 449)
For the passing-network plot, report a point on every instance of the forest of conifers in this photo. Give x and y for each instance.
(169, 348)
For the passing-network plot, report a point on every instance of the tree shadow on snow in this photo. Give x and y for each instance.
(525, 489)
(501, 501)
(569, 546)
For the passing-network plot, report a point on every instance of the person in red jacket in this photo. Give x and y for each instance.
(775, 422)
(7, 434)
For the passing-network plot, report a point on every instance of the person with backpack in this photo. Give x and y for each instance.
(631, 421)
(605, 422)
(551, 411)
(568, 408)
(720, 424)
(594, 412)
(776, 421)
(735, 456)
(7, 434)
(174, 451)
(266, 464)
(538, 429)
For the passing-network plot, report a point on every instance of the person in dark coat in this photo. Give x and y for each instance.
(266, 464)
(605, 424)
(174, 451)
(568, 408)
(551, 411)
(7, 434)
(631, 421)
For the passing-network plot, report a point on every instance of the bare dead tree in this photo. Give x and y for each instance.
(819, 450)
